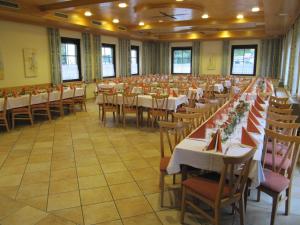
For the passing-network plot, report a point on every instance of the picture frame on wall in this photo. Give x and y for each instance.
(30, 62)
(1, 67)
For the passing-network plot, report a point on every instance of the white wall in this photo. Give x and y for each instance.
(211, 50)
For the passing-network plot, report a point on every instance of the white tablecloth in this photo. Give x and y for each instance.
(218, 88)
(117, 86)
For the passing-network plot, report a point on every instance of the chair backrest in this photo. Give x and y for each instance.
(280, 111)
(4, 105)
(110, 99)
(130, 100)
(190, 121)
(160, 102)
(235, 171)
(283, 128)
(29, 100)
(289, 156)
(279, 100)
(171, 132)
(280, 105)
(205, 111)
(282, 118)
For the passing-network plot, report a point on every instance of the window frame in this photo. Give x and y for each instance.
(137, 48)
(172, 58)
(113, 46)
(76, 41)
(233, 47)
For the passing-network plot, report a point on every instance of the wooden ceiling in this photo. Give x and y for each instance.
(163, 19)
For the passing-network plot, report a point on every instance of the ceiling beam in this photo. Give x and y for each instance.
(150, 6)
(71, 3)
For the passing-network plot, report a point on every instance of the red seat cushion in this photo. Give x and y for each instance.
(275, 181)
(278, 160)
(280, 148)
(206, 188)
(164, 162)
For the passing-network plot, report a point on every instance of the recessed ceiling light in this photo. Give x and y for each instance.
(122, 5)
(179, 0)
(115, 20)
(255, 9)
(205, 16)
(141, 23)
(160, 21)
(240, 16)
(88, 13)
(283, 14)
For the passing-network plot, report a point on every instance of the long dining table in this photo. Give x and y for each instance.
(192, 151)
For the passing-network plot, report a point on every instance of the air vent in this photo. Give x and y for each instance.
(61, 15)
(8, 4)
(122, 28)
(97, 22)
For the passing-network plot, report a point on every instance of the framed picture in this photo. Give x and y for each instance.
(211, 65)
(30, 62)
(1, 67)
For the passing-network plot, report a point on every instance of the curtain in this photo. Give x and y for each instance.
(150, 58)
(225, 57)
(55, 55)
(270, 58)
(125, 57)
(87, 56)
(196, 58)
(164, 58)
(97, 56)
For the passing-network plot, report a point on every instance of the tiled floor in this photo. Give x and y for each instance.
(75, 171)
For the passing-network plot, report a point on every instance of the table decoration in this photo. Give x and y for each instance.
(247, 139)
(251, 126)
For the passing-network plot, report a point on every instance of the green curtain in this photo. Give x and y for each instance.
(87, 56)
(196, 58)
(97, 56)
(124, 57)
(55, 55)
(150, 60)
(164, 58)
(225, 57)
(270, 57)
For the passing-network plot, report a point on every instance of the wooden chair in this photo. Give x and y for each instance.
(56, 105)
(42, 109)
(110, 104)
(3, 114)
(190, 121)
(159, 109)
(205, 110)
(280, 111)
(222, 97)
(100, 104)
(69, 103)
(279, 100)
(280, 105)
(282, 118)
(81, 100)
(279, 179)
(228, 191)
(172, 133)
(130, 105)
(22, 113)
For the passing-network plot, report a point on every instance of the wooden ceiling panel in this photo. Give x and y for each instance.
(164, 19)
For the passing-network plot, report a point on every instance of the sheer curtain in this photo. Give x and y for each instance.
(97, 50)
(55, 55)
(196, 58)
(150, 58)
(225, 57)
(164, 58)
(124, 57)
(87, 56)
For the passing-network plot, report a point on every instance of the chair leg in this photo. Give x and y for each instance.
(288, 201)
(242, 211)
(258, 195)
(84, 107)
(183, 205)
(6, 124)
(13, 121)
(162, 188)
(217, 216)
(49, 115)
(123, 118)
(30, 118)
(274, 209)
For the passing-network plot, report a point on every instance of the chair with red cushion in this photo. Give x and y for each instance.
(279, 175)
(3, 114)
(228, 191)
(22, 113)
(172, 133)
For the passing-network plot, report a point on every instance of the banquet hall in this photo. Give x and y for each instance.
(139, 112)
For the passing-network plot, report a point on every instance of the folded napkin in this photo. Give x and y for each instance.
(201, 132)
(258, 106)
(247, 139)
(260, 100)
(251, 126)
(194, 86)
(174, 94)
(253, 118)
(216, 142)
(256, 112)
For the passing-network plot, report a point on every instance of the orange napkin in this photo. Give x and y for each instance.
(259, 100)
(194, 86)
(15, 93)
(251, 126)
(247, 139)
(253, 118)
(256, 112)
(258, 106)
(216, 142)
(174, 94)
(200, 133)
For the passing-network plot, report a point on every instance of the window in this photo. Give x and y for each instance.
(108, 60)
(135, 60)
(181, 60)
(70, 59)
(243, 60)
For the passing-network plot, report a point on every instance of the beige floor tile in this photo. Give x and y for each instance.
(11, 180)
(136, 164)
(85, 171)
(8, 206)
(118, 177)
(91, 182)
(33, 190)
(125, 190)
(144, 174)
(115, 222)
(71, 214)
(138, 206)
(26, 215)
(34, 167)
(63, 174)
(63, 200)
(101, 212)
(95, 195)
(54, 220)
(10, 191)
(36, 177)
(113, 167)
(66, 185)
(39, 202)
(62, 164)
(169, 217)
(146, 219)
(149, 186)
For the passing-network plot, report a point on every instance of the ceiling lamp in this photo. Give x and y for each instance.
(255, 9)
(122, 5)
(160, 21)
(240, 16)
(141, 23)
(204, 16)
(115, 20)
(179, 0)
(88, 13)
